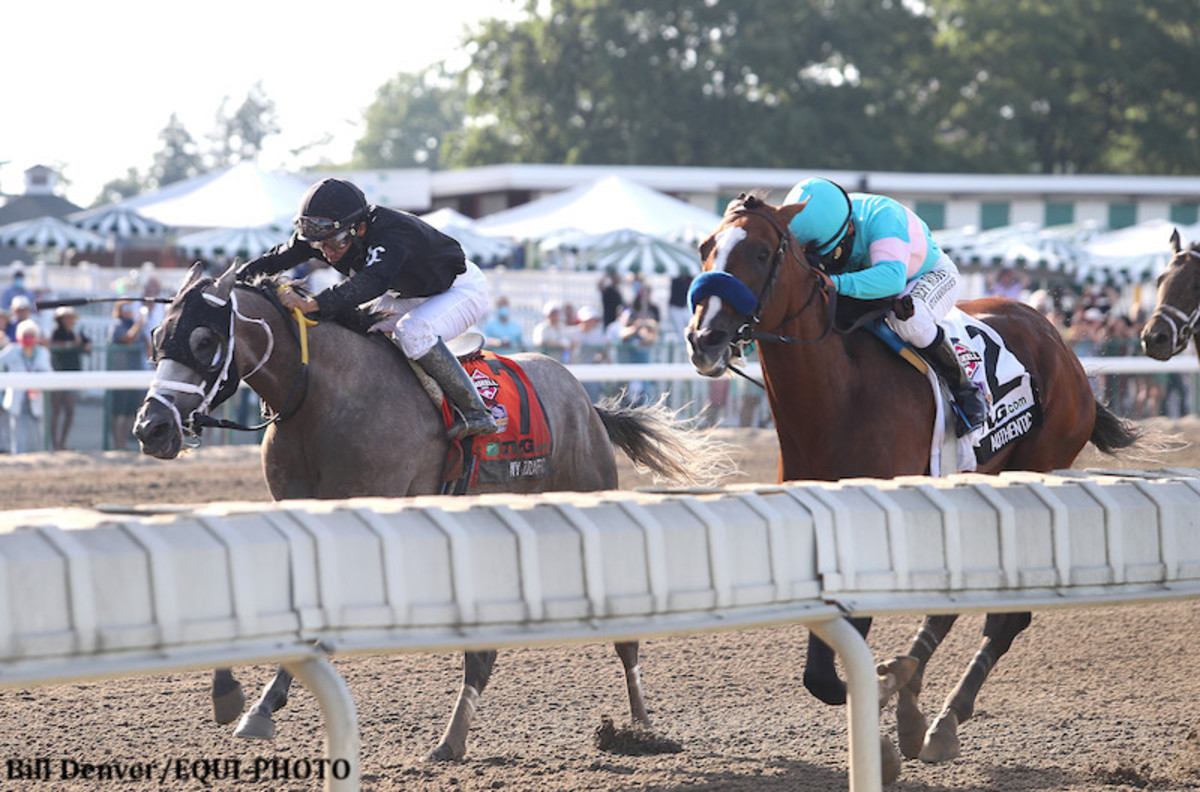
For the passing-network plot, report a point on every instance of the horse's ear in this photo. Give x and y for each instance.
(789, 211)
(194, 274)
(1176, 243)
(224, 284)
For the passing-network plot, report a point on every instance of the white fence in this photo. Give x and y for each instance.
(84, 594)
(604, 372)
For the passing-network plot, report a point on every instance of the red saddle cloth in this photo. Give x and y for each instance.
(521, 449)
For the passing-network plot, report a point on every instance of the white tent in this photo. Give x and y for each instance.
(1134, 254)
(239, 196)
(610, 204)
(479, 247)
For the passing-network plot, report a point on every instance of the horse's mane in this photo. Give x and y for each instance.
(360, 320)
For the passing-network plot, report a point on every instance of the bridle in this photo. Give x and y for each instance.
(788, 247)
(1182, 323)
(217, 388)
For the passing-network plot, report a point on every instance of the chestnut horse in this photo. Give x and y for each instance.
(1173, 323)
(357, 422)
(844, 405)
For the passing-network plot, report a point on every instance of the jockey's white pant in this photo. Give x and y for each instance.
(416, 323)
(933, 295)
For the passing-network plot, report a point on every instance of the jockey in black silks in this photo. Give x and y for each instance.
(395, 264)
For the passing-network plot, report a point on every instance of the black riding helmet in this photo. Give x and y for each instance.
(330, 207)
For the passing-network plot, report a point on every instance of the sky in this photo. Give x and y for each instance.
(87, 87)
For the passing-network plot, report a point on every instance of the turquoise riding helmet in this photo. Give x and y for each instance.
(825, 219)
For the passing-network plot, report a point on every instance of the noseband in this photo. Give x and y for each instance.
(1182, 323)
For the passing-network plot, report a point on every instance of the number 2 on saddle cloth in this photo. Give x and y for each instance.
(520, 450)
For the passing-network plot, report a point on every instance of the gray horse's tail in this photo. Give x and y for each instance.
(658, 441)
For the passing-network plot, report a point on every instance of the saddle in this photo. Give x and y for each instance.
(520, 450)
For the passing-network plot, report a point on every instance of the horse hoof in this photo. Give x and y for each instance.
(256, 726)
(910, 724)
(890, 761)
(832, 693)
(941, 743)
(894, 675)
(228, 706)
(444, 753)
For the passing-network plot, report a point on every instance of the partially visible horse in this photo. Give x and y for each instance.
(1177, 311)
(845, 405)
(357, 422)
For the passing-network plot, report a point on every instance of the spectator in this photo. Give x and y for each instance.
(639, 329)
(20, 309)
(1007, 283)
(68, 345)
(501, 332)
(678, 314)
(127, 351)
(611, 300)
(24, 405)
(592, 345)
(551, 336)
(17, 288)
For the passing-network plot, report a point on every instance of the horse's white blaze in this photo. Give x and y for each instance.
(727, 239)
(712, 308)
(172, 376)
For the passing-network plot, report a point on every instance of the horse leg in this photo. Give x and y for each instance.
(820, 675)
(477, 669)
(257, 723)
(999, 630)
(228, 699)
(628, 652)
(910, 722)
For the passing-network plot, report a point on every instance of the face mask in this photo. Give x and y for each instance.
(502, 313)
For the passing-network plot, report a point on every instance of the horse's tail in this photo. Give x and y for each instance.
(1111, 433)
(658, 441)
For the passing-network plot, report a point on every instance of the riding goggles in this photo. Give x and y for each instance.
(315, 229)
(335, 242)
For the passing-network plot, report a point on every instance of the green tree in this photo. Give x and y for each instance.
(239, 135)
(178, 159)
(1092, 86)
(707, 82)
(127, 186)
(410, 118)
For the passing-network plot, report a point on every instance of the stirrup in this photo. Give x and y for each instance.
(469, 426)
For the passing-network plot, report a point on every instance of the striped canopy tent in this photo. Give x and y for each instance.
(120, 222)
(1055, 251)
(246, 242)
(483, 249)
(49, 233)
(629, 251)
(1135, 254)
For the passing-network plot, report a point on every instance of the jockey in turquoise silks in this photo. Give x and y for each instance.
(873, 247)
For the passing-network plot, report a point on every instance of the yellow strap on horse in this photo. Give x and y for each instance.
(303, 322)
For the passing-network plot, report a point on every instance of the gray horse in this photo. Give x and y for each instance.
(356, 421)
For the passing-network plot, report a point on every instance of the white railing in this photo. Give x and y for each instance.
(84, 594)
(602, 372)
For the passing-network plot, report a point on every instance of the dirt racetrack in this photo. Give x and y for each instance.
(1100, 699)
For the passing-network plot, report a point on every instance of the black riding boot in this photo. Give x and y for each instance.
(971, 405)
(476, 419)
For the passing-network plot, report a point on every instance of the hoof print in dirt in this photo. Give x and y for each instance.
(631, 741)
